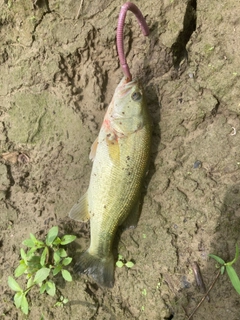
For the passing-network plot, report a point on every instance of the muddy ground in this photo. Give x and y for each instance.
(57, 76)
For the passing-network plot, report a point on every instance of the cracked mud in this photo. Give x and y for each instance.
(57, 76)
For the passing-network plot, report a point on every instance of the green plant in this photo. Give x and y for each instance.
(231, 273)
(122, 262)
(40, 263)
(229, 268)
(62, 301)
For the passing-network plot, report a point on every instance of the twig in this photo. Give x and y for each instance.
(199, 279)
(204, 297)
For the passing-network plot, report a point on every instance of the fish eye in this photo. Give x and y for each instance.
(136, 96)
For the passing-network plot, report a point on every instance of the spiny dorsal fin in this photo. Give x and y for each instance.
(79, 211)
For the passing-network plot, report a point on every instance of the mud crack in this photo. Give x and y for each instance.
(11, 181)
(38, 4)
(189, 26)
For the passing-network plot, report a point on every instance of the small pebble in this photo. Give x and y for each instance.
(197, 164)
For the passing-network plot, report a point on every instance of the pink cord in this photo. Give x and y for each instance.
(120, 45)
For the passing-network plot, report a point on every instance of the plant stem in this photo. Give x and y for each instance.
(205, 295)
(28, 289)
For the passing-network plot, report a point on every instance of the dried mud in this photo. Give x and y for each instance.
(57, 76)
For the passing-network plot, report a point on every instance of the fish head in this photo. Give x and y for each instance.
(127, 110)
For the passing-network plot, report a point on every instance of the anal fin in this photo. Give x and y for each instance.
(79, 211)
(132, 219)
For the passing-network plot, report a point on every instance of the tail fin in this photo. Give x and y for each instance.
(100, 269)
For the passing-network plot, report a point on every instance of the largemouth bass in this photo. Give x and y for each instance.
(120, 157)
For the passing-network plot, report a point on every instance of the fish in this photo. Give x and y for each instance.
(120, 156)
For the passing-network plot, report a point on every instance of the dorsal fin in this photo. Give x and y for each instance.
(79, 211)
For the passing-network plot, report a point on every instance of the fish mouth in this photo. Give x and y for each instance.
(125, 82)
(125, 87)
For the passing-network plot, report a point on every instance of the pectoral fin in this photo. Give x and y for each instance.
(93, 150)
(113, 149)
(79, 211)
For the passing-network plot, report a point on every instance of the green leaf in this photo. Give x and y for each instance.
(20, 269)
(235, 258)
(62, 253)
(24, 305)
(30, 282)
(65, 300)
(14, 285)
(233, 277)
(33, 238)
(51, 288)
(44, 256)
(120, 257)
(218, 259)
(34, 264)
(119, 264)
(66, 261)
(144, 292)
(40, 244)
(23, 255)
(222, 269)
(67, 239)
(50, 284)
(66, 275)
(37, 243)
(129, 264)
(18, 299)
(57, 269)
(57, 241)
(29, 243)
(51, 236)
(41, 275)
(56, 257)
(31, 252)
(43, 288)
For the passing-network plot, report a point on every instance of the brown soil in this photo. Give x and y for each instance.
(57, 76)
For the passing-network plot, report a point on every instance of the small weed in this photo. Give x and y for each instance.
(10, 4)
(144, 292)
(158, 285)
(229, 268)
(62, 301)
(122, 262)
(33, 19)
(231, 273)
(40, 263)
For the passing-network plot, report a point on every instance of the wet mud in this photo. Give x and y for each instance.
(58, 71)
